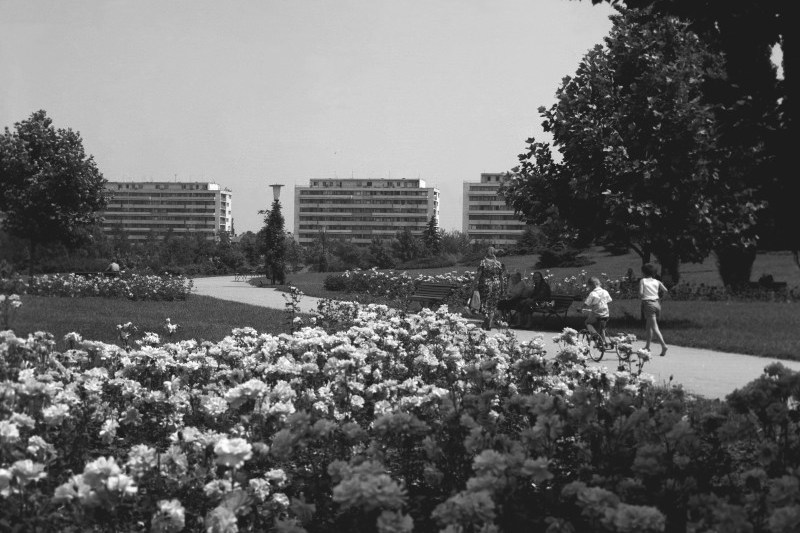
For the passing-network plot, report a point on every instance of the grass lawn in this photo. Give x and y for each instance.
(199, 317)
(756, 328)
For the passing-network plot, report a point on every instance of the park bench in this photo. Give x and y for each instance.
(242, 276)
(556, 307)
(93, 274)
(432, 293)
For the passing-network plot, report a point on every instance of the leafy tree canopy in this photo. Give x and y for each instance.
(50, 190)
(639, 148)
(761, 111)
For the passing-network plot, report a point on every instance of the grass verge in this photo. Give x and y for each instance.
(199, 317)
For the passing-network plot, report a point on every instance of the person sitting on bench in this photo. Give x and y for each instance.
(597, 308)
(535, 297)
(112, 270)
(515, 293)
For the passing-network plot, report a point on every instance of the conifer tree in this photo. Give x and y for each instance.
(432, 237)
(274, 244)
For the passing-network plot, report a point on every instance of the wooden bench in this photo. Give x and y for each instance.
(556, 306)
(104, 273)
(242, 276)
(432, 293)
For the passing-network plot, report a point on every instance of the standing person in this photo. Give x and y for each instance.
(597, 308)
(650, 292)
(490, 279)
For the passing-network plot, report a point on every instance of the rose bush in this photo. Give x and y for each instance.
(371, 419)
(131, 286)
(399, 286)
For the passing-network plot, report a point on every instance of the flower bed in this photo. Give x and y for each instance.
(374, 420)
(133, 286)
(400, 285)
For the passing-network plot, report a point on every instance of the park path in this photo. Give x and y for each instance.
(706, 372)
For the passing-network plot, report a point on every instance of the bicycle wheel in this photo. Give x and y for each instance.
(595, 344)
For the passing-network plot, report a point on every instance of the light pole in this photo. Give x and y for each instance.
(276, 191)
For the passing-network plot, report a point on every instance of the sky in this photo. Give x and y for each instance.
(258, 92)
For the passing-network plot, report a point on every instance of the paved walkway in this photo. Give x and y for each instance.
(706, 372)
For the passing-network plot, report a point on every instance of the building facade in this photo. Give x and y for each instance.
(361, 210)
(486, 217)
(141, 209)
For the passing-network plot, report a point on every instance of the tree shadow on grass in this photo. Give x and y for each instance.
(631, 321)
(627, 322)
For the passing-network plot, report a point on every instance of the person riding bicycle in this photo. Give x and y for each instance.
(597, 308)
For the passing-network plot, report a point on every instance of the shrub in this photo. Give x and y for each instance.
(131, 286)
(429, 262)
(397, 287)
(567, 257)
(335, 282)
(377, 420)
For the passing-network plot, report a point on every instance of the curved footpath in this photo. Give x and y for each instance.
(706, 372)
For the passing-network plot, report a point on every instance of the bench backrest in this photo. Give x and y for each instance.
(561, 301)
(434, 290)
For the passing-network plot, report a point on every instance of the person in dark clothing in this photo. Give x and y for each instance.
(539, 295)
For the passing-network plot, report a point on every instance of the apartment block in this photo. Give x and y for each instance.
(361, 210)
(486, 217)
(144, 208)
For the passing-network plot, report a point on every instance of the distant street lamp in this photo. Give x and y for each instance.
(276, 190)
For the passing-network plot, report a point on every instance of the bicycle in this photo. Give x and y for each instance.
(594, 340)
(620, 344)
(597, 349)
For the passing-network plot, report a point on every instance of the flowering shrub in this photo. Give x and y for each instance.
(8, 306)
(133, 286)
(398, 286)
(377, 420)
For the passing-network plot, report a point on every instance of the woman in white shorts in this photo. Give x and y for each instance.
(650, 292)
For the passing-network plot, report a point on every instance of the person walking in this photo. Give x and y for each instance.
(490, 281)
(651, 291)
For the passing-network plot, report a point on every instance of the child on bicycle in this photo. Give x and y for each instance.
(597, 309)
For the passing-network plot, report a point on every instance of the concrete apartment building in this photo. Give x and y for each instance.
(486, 217)
(361, 210)
(142, 208)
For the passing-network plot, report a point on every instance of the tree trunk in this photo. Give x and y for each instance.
(642, 252)
(31, 257)
(670, 269)
(735, 265)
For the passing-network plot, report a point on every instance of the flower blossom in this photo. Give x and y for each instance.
(233, 452)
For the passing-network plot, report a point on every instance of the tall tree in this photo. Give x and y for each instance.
(320, 250)
(640, 158)
(50, 190)
(432, 237)
(455, 242)
(407, 245)
(757, 112)
(274, 243)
